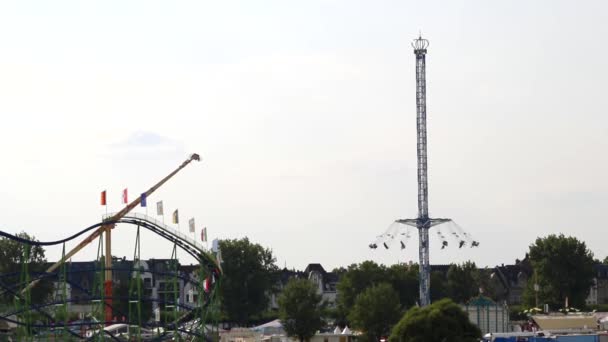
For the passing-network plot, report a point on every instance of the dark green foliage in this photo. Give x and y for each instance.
(598, 307)
(12, 257)
(564, 268)
(491, 286)
(357, 278)
(404, 279)
(122, 305)
(300, 309)
(376, 310)
(516, 313)
(439, 286)
(462, 282)
(442, 321)
(249, 278)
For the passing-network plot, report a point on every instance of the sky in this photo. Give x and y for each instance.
(304, 115)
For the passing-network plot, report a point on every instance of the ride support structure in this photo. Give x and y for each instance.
(46, 311)
(423, 222)
(107, 229)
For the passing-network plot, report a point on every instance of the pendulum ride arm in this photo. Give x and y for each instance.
(107, 228)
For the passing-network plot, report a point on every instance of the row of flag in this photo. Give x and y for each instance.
(159, 211)
(125, 197)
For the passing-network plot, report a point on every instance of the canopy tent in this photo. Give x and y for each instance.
(270, 328)
(564, 322)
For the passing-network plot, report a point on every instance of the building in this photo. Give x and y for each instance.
(510, 281)
(326, 283)
(598, 294)
(489, 316)
(160, 284)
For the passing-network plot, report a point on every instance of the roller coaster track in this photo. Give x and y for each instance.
(186, 243)
(170, 234)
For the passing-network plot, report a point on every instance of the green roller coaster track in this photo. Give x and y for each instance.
(49, 320)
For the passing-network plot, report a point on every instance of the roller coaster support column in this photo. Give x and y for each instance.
(107, 285)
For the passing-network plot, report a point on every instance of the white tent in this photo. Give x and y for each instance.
(346, 331)
(270, 328)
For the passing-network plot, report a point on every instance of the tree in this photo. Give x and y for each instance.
(564, 268)
(462, 282)
(439, 288)
(12, 254)
(250, 274)
(125, 292)
(605, 260)
(376, 310)
(404, 279)
(357, 278)
(442, 321)
(300, 309)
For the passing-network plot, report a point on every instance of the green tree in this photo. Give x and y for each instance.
(490, 285)
(564, 268)
(605, 260)
(462, 282)
(376, 310)
(439, 288)
(300, 309)
(404, 279)
(125, 291)
(442, 321)
(357, 278)
(12, 254)
(249, 278)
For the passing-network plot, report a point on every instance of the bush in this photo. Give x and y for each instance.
(443, 321)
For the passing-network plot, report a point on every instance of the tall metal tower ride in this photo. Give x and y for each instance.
(423, 223)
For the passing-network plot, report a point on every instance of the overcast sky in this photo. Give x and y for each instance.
(304, 115)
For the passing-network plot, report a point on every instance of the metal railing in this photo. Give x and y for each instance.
(188, 238)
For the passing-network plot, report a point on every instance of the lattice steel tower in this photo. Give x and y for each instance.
(423, 223)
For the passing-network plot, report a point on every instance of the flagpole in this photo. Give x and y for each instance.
(206, 239)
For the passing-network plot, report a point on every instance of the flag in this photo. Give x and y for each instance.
(207, 284)
(103, 197)
(204, 234)
(159, 208)
(143, 200)
(175, 216)
(191, 225)
(218, 256)
(125, 198)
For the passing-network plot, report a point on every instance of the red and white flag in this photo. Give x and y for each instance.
(125, 197)
(103, 197)
(207, 284)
